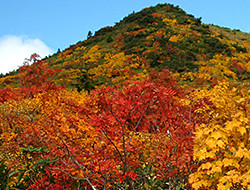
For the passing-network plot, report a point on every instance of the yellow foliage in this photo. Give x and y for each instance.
(171, 22)
(118, 68)
(223, 66)
(93, 55)
(222, 143)
(49, 116)
(175, 38)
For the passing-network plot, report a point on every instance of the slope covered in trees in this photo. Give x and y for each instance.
(158, 101)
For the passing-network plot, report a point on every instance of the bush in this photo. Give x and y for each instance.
(4, 175)
(103, 31)
(109, 39)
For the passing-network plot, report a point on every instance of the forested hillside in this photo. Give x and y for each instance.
(160, 100)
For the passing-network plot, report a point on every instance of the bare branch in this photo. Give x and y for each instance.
(113, 144)
(137, 124)
(79, 165)
(56, 168)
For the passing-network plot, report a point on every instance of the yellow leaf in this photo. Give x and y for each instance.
(220, 143)
(198, 134)
(225, 186)
(242, 130)
(241, 100)
(211, 143)
(243, 152)
(218, 163)
(205, 166)
(216, 169)
(211, 154)
(231, 125)
(216, 135)
(200, 154)
(227, 162)
(199, 184)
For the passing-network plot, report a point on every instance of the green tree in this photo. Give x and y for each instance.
(89, 34)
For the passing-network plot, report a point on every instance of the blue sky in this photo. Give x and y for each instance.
(43, 26)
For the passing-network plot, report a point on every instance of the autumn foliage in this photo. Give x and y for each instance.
(159, 101)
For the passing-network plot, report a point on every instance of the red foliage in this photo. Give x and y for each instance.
(119, 40)
(134, 33)
(165, 79)
(144, 108)
(9, 94)
(34, 77)
(237, 66)
(156, 15)
(168, 7)
(116, 117)
(52, 180)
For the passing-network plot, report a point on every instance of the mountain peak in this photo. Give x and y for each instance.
(163, 36)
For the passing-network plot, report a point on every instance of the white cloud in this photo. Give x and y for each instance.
(14, 49)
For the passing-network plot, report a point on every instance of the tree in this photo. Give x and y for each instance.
(141, 123)
(222, 140)
(89, 34)
(35, 76)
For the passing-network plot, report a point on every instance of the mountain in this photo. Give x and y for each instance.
(158, 37)
(158, 101)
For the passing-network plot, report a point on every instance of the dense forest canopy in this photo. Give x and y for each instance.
(160, 100)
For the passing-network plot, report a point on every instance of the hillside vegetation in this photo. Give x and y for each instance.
(157, 101)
